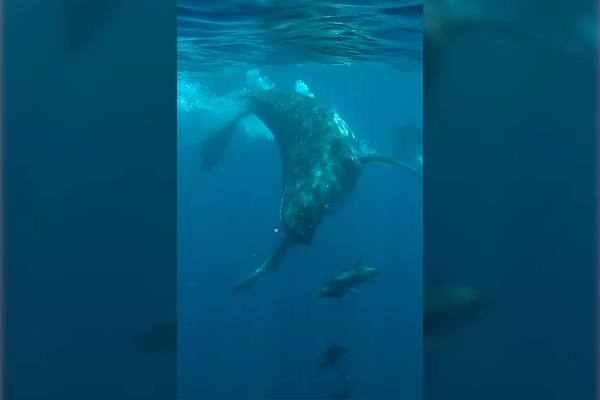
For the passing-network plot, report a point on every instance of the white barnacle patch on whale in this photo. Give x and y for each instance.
(317, 178)
(341, 125)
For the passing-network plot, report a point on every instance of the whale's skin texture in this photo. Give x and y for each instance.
(320, 154)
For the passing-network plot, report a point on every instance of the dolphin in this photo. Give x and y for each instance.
(347, 280)
(450, 303)
(331, 356)
(321, 157)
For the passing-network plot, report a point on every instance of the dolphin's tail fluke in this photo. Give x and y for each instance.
(269, 265)
(213, 148)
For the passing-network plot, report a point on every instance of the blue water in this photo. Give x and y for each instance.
(266, 343)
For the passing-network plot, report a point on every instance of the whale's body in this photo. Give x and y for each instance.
(321, 160)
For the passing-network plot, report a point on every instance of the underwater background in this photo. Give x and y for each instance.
(90, 225)
(267, 342)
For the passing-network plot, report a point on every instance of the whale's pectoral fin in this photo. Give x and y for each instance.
(269, 265)
(408, 145)
(375, 157)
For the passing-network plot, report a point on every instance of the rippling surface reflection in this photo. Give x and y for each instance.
(213, 36)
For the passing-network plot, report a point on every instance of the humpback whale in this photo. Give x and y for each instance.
(321, 158)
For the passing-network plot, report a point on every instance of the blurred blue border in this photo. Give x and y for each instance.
(510, 200)
(90, 211)
(90, 198)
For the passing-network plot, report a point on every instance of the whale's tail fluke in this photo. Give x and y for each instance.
(213, 147)
(269, 265)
